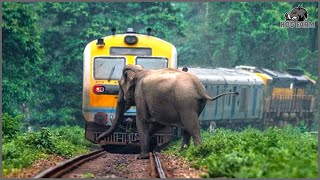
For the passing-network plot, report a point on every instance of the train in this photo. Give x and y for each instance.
(266, 97)
(103, 62)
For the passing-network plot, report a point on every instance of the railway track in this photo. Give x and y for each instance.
(88, 164)
(157, 168)
(67, 166)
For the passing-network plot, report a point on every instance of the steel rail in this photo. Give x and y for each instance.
(66, 166)
(158, 165)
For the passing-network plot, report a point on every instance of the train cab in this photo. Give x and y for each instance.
(103, 62)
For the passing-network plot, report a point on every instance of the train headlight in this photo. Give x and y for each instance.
(98, 89)
(100, 42)
(131, 40)
(100, 118)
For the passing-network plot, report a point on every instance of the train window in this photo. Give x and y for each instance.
(254, 103)
(130, 51)
(108, 67)
(152, 62)
(244, 100)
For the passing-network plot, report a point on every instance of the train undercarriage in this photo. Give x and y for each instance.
(126, 134)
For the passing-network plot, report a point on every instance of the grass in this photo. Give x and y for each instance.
(23, 149)
(273, 153)
(88, 175)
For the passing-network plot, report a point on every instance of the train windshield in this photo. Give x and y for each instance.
(152, 62)
(109, 68)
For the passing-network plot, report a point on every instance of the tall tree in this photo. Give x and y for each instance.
(22, 58)
(229, 34)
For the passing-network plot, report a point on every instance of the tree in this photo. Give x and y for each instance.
(22, 58)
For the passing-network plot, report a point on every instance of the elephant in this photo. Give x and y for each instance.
(297, 14)
(163, 97)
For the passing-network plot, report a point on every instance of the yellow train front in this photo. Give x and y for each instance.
(103, 62)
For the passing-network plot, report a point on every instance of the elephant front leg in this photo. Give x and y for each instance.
(144, 138)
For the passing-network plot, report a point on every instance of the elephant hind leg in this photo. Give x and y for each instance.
(190, 121)
(185, 141)
(201, 105)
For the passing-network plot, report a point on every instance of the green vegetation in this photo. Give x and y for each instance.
(88, 175)
(10, 125)
(43, 44)
(22, 149)
(273, 153)
(120, 167)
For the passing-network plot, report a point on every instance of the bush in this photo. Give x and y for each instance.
(69, 141)
(17, 153)
(273, 153)
(23, 149)
(10, 125)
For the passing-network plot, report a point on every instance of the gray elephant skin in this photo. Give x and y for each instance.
(164, 97)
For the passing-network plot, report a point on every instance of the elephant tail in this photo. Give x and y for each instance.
(206, 96)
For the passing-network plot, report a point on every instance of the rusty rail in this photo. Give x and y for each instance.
(67, 166)
(157, 170)
(159, 167)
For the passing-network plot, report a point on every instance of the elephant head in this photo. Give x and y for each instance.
(127, 85)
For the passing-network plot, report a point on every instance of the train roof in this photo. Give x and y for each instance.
(297, 78)
(226, 76)
(118, 40)
(294, 75)
(278, 74)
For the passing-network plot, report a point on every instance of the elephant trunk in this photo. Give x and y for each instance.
(121, 109)
(218, 96)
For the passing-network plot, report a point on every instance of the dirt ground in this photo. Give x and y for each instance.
(113, 165)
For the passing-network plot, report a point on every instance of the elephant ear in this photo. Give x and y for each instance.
(129, 76)
(130, 71)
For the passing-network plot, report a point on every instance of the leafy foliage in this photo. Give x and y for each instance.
(221, 34)
(22, 57)
(10, 125)
(21, 150)
(273, 153)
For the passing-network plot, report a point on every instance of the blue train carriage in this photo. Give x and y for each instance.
(289, 96)
(234, 112)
